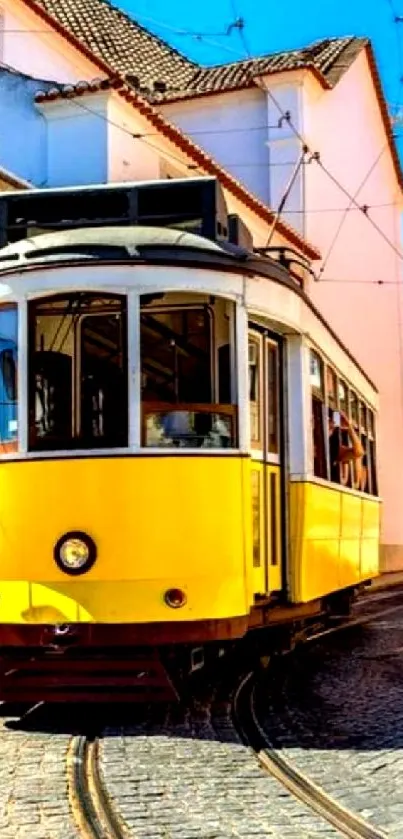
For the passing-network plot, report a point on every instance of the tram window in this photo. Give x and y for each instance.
(254, 390)
(373, 477)
(319, 445)
(185, 369)
(316, 372)
(363, 431)
(78, 372)
(8, 372)
(343, 403)
(8, 378)
(319, 421)
(331, 388)
(355, 466)
(273, 397)
(354, 409)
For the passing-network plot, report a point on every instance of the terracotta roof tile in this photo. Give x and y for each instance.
(132, 51)
(118, 40)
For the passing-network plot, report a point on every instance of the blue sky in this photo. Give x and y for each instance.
(272, 25)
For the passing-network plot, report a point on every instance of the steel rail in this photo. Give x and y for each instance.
(89, 801)
(299, 785)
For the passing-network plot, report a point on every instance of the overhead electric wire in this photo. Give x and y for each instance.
(285, 117)
(346, 211)
(286, 194)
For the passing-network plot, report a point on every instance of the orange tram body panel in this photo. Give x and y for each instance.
(170, 433)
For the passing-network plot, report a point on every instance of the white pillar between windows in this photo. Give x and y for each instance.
(241, 339)
(299, 407)
(22, 387)
(134, 368)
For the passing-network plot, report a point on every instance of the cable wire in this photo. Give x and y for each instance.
(286, 194)
(346, 211)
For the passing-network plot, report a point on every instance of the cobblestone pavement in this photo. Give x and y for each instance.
(191, 778)
(33, 790)
(337, 714)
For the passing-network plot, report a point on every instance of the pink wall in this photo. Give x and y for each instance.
(28, 44)
(345, 126)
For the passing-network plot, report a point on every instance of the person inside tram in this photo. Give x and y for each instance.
(340, 452)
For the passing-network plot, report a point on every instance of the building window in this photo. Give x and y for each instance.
(78, 394)
(8, 378)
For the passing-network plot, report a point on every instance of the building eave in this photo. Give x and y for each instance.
(376, 79)
(13, 180)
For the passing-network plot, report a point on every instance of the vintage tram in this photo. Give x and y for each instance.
(166, 477)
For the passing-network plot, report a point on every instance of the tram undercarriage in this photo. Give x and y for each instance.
(147, 662)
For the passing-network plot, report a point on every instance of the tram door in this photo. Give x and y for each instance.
(265, 400)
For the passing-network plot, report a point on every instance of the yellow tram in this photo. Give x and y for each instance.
(166, 476)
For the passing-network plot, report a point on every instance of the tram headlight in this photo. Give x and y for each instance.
(75, 553)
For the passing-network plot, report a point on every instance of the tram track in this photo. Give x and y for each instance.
(299, 785)
(91, 806)
(96, 810)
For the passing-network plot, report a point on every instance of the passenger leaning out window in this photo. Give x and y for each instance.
(340, 453)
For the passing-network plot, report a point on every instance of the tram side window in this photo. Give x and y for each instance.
(8, 378)
(254, 362)
(78, 372)
(187, 371)
(373, 476)
(343, 468)
(363, 433)
(273, 393)
(356, 466)
(318, 416)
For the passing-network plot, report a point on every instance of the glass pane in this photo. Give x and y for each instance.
(343, 405)
(354, 408)
(8, 378)
(188, 429)
(371, 424)
(273, 397)
(363, 416)
(78, 372)
(331, 387)
(254, 389)
(187, 371)
(374, 481)
(316, 370)
(176, 354)
(319, 430)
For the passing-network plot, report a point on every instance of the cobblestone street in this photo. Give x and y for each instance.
(193, 779)
(337, 714)
(33, 789)
(335, 710)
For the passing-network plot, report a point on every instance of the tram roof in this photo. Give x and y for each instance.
(154, 246)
